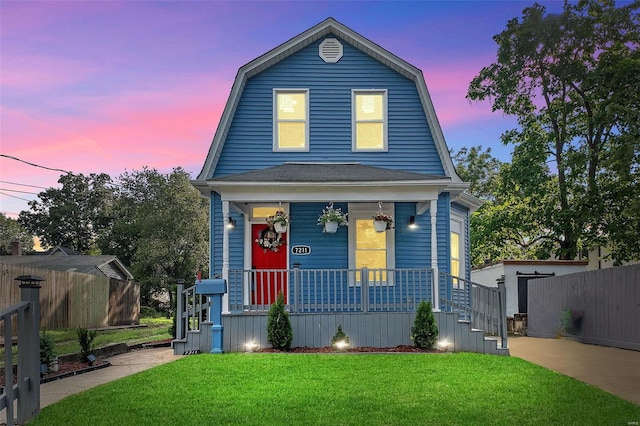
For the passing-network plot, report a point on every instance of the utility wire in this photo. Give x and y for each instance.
(34, 165)
(9, 195)
(15, 190)
(22, 184)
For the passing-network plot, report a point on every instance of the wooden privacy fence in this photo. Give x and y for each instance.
(73, 299)
(599, 307)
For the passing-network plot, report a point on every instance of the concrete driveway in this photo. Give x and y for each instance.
(614, 370)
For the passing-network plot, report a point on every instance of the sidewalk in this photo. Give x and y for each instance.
(121, 366)
(611, 369)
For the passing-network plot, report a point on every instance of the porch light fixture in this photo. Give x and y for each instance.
(412, 222)
(231, 224)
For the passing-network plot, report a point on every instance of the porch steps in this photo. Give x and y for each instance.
(316, 330)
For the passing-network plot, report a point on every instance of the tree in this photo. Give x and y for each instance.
(573, 82)
(506, 226)
(10, 231)
(161, 230)
(74, 216)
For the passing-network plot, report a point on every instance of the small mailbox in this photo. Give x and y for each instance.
(211, 286)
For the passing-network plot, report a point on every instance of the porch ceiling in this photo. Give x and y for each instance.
(329, 181)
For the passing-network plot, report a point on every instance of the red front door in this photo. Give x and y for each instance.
(271, 276)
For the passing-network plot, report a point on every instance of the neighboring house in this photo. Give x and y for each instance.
(64, 259)
(330, 118)
(517, 274)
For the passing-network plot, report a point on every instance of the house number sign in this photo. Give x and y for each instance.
(300, 250)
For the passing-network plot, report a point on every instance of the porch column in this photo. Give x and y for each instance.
(225, 254)
(433, 209)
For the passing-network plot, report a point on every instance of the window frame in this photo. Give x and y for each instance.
(366, 211)
(384, 120)
(276, 120)
(457, 223)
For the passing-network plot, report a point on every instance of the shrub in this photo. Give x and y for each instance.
(340, 336)
(85, 339)
(149, 312)
(47, 349)
(425, 330)
(279, 332)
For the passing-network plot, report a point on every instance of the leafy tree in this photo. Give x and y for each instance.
(506, 226)
(10, 231)
(161, 230)
(573, 82)
(74, 216)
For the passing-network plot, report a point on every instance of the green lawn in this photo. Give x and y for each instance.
(343, 389)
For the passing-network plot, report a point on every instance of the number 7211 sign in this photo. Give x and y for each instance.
(300, 250)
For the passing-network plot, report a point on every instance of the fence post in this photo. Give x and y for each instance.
(364, 289)
(29, 350)
(502, 310)
(179, 309)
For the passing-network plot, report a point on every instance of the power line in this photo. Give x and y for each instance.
(15, 190)
(22, 184)
(13, 196)
(34, 165)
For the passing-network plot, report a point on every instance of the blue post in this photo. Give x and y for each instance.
(214, 289)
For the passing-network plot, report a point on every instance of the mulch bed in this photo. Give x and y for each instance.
(364, 349)
(65, 369)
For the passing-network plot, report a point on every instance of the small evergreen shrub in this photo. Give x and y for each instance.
(340, 336)
(425, 329)
(85, 339)
(47, 349)
(279, 332)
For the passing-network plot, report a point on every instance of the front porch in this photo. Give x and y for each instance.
(375, 308)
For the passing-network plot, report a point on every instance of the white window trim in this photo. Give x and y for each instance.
(385, 120)
(368, 210)
(276, 147)
(458, 220)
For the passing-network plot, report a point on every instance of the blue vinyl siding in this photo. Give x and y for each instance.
(328, 251)
(444, 244)
(249, 142)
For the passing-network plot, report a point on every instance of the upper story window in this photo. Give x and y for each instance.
(369, 119)
(291, 120)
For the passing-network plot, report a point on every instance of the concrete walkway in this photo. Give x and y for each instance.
(121, 366)
(614, 370)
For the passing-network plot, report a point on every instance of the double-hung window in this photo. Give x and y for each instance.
(291, 120)
(457, 251)
(368, 248)
(369, 118)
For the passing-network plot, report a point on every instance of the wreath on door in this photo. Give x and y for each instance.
(269, 239)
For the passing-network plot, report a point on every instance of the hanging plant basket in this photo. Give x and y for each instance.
(331, 227)
(380, 225)
(381, 221)
(331, 219)
(279, 221)
(280, 227)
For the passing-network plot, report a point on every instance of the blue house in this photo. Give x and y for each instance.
(330, 121)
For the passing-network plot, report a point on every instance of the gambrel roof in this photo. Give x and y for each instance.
(328, 27)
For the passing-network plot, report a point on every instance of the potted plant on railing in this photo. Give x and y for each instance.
(279, 221)
(331, 218)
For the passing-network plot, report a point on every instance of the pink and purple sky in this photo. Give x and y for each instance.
(109, 86)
